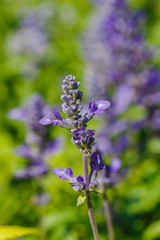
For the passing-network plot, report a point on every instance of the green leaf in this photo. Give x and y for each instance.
(154, 145)
(12, 232)
(153, 231)
(81, 199)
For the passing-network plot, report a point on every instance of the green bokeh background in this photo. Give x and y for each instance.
(135, 202)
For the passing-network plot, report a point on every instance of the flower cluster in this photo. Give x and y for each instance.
(119, 69)
(77, 124)
(78, 183)
(38, 145)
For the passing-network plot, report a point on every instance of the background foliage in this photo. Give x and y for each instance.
(134, 201)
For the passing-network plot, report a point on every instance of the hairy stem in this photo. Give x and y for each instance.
(108, 216)
(89, 203)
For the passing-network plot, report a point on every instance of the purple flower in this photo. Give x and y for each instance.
(80, 179)
(99, 106)
(83, 139)
(37, 144)
(63, 173)
(66, 173)
(96, 162)
(47, 119)
(84, 133)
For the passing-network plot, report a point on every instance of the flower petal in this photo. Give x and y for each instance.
(92, 107)
(63, 173)
(80, 179)
(96, 162)
(58, 116)
(102, 105)
(46, 121)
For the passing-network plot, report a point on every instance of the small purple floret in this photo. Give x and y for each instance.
(46, 121)
(63, 173)
(96, 162)
(80, 179)
(58, 116)
(69, 172)
(99, 106)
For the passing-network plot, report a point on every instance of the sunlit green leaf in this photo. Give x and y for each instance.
(154, 145)
(153, 231)
(12, 232)
(80, 200)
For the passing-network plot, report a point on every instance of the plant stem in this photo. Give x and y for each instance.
(89, 203)
(108, 216)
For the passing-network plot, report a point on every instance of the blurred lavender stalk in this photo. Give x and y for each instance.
(31, 38)
(38, 145)
(119, 69)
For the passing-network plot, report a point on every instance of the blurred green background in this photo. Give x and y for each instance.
(135, 202)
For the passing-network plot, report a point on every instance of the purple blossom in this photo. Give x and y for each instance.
(66, 173)
(63, 173)
(96, 162)
(32, 171)
(99, 106)
(83, 139)
(32, 27)
(47, 120)
(37, 144)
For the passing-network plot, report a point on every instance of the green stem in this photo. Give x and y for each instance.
(89, 203)
(108, 216)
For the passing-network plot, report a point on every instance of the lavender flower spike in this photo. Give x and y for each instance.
(77, 123)
(83, 139)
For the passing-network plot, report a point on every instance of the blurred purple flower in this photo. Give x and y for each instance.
(38, 145)
(118, 69)
(32, 171)
(115, 165)
(112, 173)
(40, 199)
